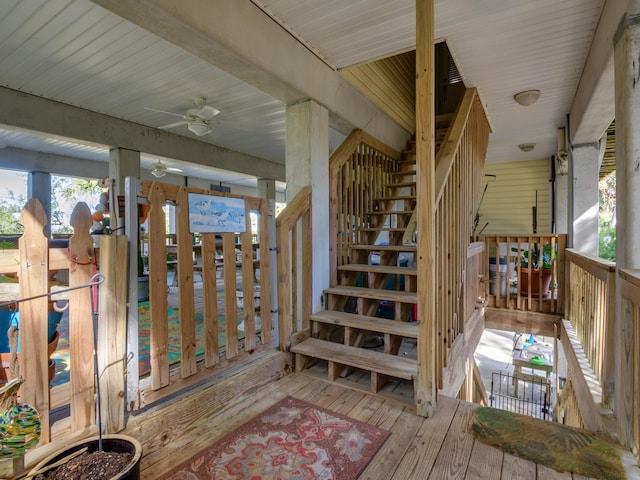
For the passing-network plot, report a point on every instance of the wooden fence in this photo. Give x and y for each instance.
(241, 260)
(34, 264)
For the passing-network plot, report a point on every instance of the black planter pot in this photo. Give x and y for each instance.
(110, 443)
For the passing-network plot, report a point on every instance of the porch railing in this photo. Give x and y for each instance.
(233, 253)
(457, 187)
(590, 283)
(514, 282)
(295, 243)
(627, 400)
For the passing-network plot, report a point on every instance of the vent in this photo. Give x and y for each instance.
(454, 74)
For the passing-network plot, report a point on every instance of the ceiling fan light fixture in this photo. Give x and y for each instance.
(199, 127)
(159, 170)
(526, 147)
(527, 98)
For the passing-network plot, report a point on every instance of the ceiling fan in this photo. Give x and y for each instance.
(196, 119)
(160, 169)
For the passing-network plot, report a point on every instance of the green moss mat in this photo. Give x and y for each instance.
(557, 446)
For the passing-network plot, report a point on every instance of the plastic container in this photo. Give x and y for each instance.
(501, 276)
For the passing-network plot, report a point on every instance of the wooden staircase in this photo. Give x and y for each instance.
(372, 301)
(372, 199)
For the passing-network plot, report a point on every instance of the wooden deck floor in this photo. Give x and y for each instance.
(437, 448)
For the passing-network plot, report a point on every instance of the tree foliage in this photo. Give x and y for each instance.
(65, 193)
(607, 218)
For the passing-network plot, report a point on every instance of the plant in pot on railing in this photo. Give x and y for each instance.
(535, 264)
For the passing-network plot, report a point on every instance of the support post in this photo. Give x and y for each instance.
(425, 166)
(627, 100)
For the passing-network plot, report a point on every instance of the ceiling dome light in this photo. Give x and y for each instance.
(199, 127)
(527, 98)
(526, 147)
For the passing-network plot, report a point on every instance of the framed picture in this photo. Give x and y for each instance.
(213, 214)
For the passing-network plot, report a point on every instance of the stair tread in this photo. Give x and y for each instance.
(381, 229)
(358, 357)
(383, 248)
(374, 293)
(391, 212)
(391, 269)
(400, 184)
(363, 322)
(398, 197)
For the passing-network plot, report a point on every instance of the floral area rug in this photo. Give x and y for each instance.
(557, 446)
(292, 440)
(61, 355)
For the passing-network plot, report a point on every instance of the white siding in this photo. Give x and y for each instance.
(508, 202)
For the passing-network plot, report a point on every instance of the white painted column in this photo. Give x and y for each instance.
(586, 162)
(266, 188)
(307, 163)
(39, 186)
(627, 94)
(122, 163)
(627, 99)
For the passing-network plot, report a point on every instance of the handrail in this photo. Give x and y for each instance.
(294, 241)
(447, 154)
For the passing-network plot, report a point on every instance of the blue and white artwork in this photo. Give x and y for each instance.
(209, 213)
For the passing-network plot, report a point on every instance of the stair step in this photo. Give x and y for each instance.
(381, 229)
(385, 248)
(374, 294)
(390, 269)
(399, 197)
(403, 173)
(391, 212)
(399, 184)
(363, 322)
(370, 360)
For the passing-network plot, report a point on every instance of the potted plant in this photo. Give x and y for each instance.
(535, 264)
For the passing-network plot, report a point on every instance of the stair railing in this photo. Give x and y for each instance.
(358, 172)
(459, 164)
(295, 265)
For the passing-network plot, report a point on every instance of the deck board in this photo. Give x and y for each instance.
(439, 448)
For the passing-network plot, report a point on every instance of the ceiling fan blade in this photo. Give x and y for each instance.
(172, 125)
(207, 112)
(174, 169)
(165, 111)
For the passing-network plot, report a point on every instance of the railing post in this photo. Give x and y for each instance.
(609, 361)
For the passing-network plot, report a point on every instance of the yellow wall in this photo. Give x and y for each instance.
(509, 199)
